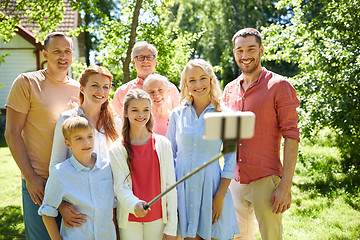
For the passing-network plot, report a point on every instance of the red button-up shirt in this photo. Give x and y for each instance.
(274, 102)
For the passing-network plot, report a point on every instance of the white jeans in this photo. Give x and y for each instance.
(143, 231)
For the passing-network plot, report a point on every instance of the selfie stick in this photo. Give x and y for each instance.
(229, 145)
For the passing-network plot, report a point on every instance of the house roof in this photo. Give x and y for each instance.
(70, 20)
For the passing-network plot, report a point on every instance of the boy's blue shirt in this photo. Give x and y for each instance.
(90, 191)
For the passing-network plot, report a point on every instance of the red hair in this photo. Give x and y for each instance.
(106, 118)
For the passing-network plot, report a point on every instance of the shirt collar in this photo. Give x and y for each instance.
(261, 77)
(79, 167)
(139, 81)
(210, 106)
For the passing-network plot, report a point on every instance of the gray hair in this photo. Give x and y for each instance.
(156, 76)
(140, 45)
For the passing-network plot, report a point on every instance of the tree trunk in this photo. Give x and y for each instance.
(134, 25)
(87, 38)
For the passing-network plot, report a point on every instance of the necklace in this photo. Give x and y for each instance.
(54, 79)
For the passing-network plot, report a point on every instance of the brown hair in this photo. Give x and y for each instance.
(248, 32)
(56, 34)
(106, 118)
(133, 94)
(74, 123)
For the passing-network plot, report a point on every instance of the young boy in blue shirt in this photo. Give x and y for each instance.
(83, 181)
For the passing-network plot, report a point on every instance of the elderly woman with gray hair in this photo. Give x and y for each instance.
(157, 86)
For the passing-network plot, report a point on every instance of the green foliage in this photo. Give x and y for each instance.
(92, 14)
(47, 14)
(217, 21)
(323, 40)
(2, 60)
(77, 67)
(173, 47)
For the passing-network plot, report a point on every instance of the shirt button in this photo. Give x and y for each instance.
(240, 160)
(191, 205)
(240, 144)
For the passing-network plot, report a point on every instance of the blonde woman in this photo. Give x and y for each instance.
(205, 207)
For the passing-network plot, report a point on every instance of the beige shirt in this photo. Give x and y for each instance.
(42, 99)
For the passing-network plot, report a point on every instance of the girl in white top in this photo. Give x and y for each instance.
(142, 166)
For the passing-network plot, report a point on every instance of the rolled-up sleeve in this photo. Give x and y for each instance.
(53, 196)
(229, 165)
(286, 104)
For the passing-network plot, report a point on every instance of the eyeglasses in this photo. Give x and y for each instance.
(142, 58)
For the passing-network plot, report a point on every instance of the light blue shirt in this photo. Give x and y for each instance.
(190, 150)
(90, 191)
(60, 152)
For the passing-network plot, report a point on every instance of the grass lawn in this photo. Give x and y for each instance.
(11, 217)
(326, 202)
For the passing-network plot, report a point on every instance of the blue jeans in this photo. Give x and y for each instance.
(34, 225)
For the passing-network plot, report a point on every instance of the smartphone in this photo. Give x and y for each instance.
(229, 125)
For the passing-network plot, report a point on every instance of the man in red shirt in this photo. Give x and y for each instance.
(265, 181)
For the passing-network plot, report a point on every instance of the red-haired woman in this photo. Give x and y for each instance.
(95, 85)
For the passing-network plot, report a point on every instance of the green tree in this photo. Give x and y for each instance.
(134, 24)
(323, 40)
(47, 14)
(217, 21)
(91, 19)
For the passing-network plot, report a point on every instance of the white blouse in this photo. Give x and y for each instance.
(60, 152)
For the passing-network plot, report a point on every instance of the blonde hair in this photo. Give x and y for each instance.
(106, 119)
(74, 123)
(215, 90)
